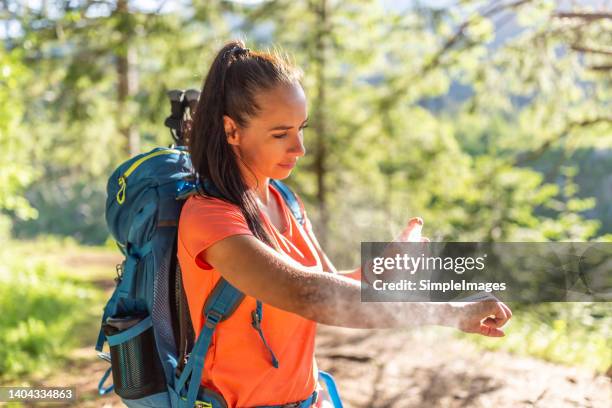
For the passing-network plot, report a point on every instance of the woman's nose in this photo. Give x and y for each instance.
(298, 147)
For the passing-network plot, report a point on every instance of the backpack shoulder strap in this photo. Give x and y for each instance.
(293, 202)
(221, 303)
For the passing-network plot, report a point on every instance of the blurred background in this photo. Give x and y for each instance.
(491, 120)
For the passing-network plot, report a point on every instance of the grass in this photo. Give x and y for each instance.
(49, 305)
(569, 333)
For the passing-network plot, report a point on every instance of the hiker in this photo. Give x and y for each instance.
(247, 130)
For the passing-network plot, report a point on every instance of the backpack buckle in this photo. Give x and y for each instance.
(119, 270)
(212, 318)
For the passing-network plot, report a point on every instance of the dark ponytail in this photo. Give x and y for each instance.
(236, 76)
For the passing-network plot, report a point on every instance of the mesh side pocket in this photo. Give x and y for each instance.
(136, 368)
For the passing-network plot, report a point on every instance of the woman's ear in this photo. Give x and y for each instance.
(231, 130)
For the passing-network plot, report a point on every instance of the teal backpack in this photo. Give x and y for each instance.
(155, 359)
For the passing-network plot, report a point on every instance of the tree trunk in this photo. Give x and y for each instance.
(320, 125)
(127, 82)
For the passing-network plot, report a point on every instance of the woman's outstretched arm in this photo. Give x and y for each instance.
(276, 279)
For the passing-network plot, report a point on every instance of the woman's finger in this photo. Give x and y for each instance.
(494, 322)
(412, 232)
(491, 331)
(499, 318)
(507, 309)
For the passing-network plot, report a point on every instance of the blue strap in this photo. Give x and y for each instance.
(127, 280)
(101, 389)
(101, 338)
(135, 254)
(221, 305)
(133, 331)
(140, 252)
(331, 388)
(257, 316)
(185, 189)
(124, 287)
(109, 310)
(290, 199)
(196, 359)
(121, 291)
(308, 402)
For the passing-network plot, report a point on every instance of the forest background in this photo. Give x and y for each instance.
(491, 120)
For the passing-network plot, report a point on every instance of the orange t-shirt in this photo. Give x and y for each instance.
(237, 364)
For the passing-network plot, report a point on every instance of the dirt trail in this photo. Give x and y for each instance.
(411, 369)
(427, 369)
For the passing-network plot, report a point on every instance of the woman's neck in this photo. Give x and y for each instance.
(255, 182)
(262, 191)
(258, 184)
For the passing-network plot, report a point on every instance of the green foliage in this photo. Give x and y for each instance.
(75, 111)
(467, 166)
(568, 333)
(42, 308)
(472, 163)
(17, 172)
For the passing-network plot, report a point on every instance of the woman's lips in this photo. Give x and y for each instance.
(287, 166)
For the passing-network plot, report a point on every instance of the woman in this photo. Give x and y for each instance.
(248, 129)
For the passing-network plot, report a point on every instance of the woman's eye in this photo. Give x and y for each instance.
(283, 135)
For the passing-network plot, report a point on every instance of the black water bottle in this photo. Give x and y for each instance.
(137, 371)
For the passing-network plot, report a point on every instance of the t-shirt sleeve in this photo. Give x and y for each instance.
(205, 221)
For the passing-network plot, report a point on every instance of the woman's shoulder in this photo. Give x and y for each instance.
(205, 220)
(199, 209)
(198, 202)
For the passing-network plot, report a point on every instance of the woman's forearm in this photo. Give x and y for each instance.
(334, 299)
(358, 274)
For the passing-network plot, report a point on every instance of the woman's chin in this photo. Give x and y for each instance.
(282, 174)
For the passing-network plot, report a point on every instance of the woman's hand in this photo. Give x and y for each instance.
(485, 316)
(412, 231)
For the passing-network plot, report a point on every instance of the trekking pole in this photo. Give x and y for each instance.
(177, 110)
(182, 108)
(191, 97)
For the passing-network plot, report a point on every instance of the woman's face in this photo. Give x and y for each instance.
(273, 141)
